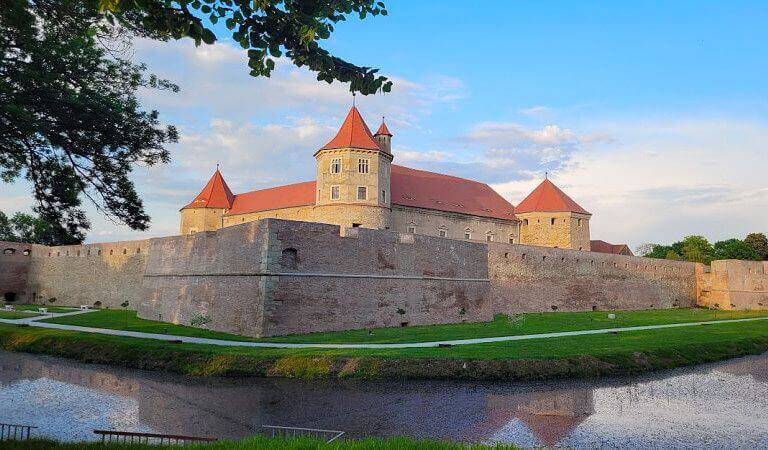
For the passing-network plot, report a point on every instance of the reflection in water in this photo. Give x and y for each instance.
(723, 405)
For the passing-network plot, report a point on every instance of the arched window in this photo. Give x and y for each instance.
(9, 251)
(525, 222)
(289, 259)
(468, 233)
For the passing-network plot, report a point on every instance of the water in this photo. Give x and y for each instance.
(714, 406)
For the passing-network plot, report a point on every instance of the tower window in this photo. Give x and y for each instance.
(552, 221)
(411, 229)
(442, 233)
(578, 222)
(488, 237)
(384, 196)
(525, 222)
(362, 165)
(511, 239)
(362, 193)
(336, 165)
(467, 234)
(335, 193)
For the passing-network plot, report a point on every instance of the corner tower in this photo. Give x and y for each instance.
(550, 218)
(205, 212)
(353, 176)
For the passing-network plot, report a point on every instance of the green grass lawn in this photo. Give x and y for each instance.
(16, 314)
(53, 309)
(521, 324)
(261, 443)
(574, 356)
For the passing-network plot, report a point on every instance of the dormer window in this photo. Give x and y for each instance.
(336, 165)
(362, 165)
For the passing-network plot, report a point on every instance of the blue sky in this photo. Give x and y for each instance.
(651, 115)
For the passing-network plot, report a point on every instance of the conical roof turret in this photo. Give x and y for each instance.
(215, 194)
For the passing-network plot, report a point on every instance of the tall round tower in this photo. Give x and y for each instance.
(353, 176)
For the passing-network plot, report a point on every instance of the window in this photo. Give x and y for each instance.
(356, 225)
(525, 222)
(335, 193)
(467, 235)
(362, 165)
(336, 165)
(362, 193)
(488, 237)
(9, 251)
(442, 233)
(289, 259)
(383, 196)
(511, 239)
(411, 229)
(552, 221)
(579, 222)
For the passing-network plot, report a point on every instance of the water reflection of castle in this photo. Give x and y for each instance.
(236, 408)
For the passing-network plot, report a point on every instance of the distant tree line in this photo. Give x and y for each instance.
(22, 227)
(698, 249)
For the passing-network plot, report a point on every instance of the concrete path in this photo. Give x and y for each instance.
(44, 316)
(522, 337)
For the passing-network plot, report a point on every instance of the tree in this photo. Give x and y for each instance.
(734, 249)
(266, 28)
(33, 229)
(70, 121)
(759, 243)
(657, 251)
(696, 249)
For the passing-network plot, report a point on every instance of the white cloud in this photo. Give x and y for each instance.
(537, 112)
(667, 179)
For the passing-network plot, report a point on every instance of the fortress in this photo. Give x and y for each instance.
(369, 244)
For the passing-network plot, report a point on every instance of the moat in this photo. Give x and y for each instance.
(712, 406)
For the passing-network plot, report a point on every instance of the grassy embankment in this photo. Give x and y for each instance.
(262, 443)
(574, 356)
(13, 315)
(532, 323)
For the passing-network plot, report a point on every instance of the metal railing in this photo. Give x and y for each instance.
(130, 437)
(13, 432)
(328, 435)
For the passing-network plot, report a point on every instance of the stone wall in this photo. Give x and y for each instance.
(15, 260)
(372, 278)
(76, 275)
(733, 284)
(429, 223)
(528, 278)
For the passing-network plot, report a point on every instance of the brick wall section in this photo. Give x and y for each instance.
(404, 287)
(733, 284)
(214, 275)
(83, 274)
(527, 278)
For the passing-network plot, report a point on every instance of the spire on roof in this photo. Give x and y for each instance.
(353, 133)
(548, 198)
(215, 194)
(383, 128)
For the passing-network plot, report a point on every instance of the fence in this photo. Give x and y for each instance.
(148, 438)
(11, 432)
(328, 435)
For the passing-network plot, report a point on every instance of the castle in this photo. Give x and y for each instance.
(369, 244)
(358, 186)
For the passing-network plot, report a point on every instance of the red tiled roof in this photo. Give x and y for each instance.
(418, 188)
(410, 187)
(383, 130)
(606, 247)
(298, 194)
(353, 133)
(548, 198)
(215, 194)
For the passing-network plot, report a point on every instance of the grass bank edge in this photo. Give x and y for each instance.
(263, 443)
(205, 360)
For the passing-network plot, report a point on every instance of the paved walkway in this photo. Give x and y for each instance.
(196, 340)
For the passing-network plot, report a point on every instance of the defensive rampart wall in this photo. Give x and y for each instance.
(274, 277)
